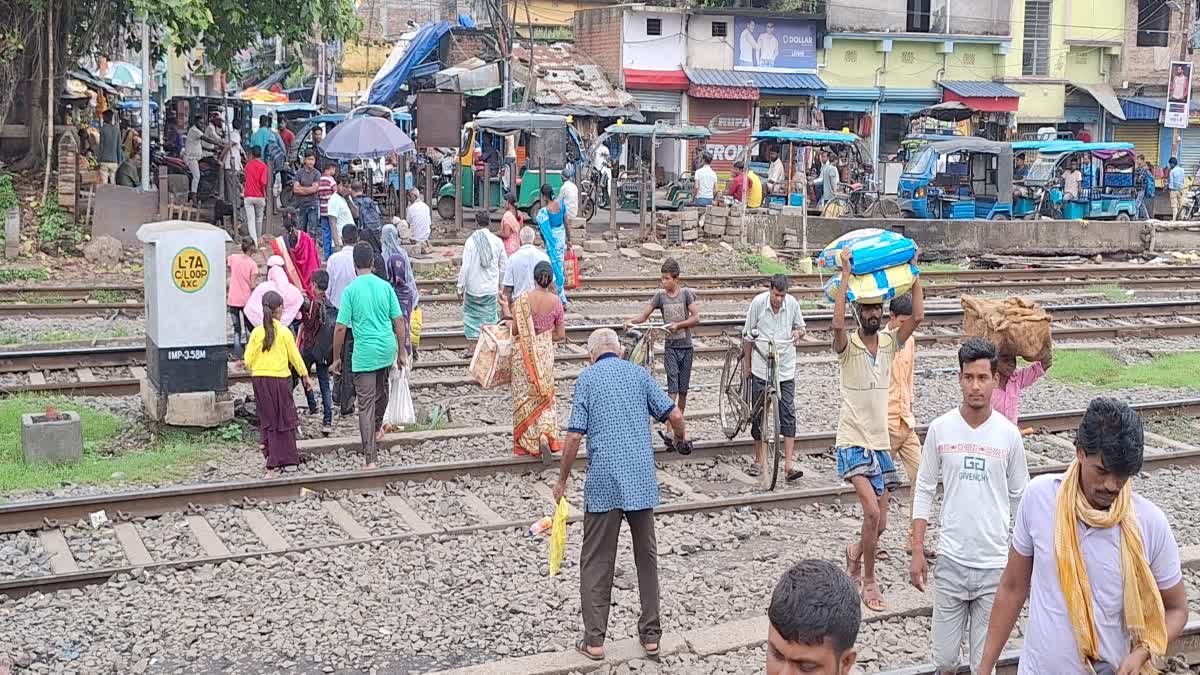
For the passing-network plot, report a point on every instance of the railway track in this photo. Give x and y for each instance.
(126, 300)
(54, 521)
(116, 369)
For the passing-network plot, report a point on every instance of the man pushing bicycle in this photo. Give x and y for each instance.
(774, 317)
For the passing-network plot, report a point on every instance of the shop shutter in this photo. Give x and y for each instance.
(729, 121)
(1144, 138)
(656, 101)
(1189, 154)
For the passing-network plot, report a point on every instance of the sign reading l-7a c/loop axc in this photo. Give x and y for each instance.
(190, 270)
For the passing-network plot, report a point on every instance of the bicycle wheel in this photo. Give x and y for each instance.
(770, 437)
(731, 402)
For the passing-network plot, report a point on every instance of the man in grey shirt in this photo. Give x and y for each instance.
(110, 157)
(679, 314)
(829, 178)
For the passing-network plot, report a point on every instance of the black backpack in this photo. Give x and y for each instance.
(322, 349)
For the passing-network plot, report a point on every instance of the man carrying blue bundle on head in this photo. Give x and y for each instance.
(865, 360)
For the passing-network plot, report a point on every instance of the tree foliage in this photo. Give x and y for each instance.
(226, 27)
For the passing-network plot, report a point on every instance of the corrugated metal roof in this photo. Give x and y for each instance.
(1159, 103)
(763, 80)
(979, 89)
(1142, 107)
(568, 80)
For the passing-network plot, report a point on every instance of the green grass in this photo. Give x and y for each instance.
(108, 296)
(766, 266)
(1101, 370)
(1111, 292)
(9, 275)
(438, 272)
(66, 336)
(172, 455)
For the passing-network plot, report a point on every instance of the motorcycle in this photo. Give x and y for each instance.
(1191, 203)
(210, 172)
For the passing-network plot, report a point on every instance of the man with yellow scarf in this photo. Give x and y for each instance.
(1097, 562)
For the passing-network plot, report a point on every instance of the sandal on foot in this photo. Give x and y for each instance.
(754, 471)
(795, 474)
(582, 648)
(872, 598)
(648, 650)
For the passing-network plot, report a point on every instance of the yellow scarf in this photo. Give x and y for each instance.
(1144, 615)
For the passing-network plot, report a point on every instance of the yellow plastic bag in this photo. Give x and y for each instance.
(558, 535)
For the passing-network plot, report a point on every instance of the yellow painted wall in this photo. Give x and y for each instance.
(359, 59)
(1083, 65)
(973, 62)
(551, 12)
(912, 65)
(1102, 20)
(851, 63)
(1040, 101)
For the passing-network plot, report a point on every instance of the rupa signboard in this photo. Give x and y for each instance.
(1179, 95)
(765, 44)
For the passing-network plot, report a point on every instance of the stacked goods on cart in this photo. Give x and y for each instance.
(880, 265)
(1016, 326)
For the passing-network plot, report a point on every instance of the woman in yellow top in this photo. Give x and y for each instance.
(271, 355)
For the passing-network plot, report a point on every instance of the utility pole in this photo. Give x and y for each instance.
(1185, 21)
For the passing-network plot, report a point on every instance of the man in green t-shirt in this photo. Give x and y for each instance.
(370, 309)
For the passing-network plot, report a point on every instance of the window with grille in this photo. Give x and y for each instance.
(851, 56)
(653, 26)
(918, 16)
(968, 59)
(720, 29)
(908, 57)
(1035, 56)
(1153, 23)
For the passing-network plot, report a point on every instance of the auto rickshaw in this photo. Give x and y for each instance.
(1107, 190)
(544, 145)
(640, 142)
(960, 179)
(801, 171)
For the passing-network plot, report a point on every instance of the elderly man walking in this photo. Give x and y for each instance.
(614, 401)
(483, 264)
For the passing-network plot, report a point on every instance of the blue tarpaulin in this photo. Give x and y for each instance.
(386, 89)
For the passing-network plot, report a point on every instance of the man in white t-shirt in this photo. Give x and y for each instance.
(568, 193)
(979, 457)
(768, 47)
(418, 215)
(706, 182)
(747, 45)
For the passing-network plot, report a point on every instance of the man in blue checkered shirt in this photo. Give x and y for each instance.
(614, 401)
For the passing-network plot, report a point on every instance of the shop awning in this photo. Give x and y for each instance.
(1105, 96)
(1142, 107)
(980, 95)
(767, 82)
(675, 80)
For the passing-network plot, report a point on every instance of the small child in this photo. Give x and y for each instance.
(243, 277)
(271, 355)
(679, 312)
(316, 346)
(1011, 381)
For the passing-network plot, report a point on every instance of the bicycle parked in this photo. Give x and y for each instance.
(736, 409)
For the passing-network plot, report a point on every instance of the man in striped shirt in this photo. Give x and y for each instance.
(326, 186)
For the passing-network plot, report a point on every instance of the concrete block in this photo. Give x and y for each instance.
(577, 223)
(578, 250)
(714, 230)
(630, 253)
(426, 265)
(46, 441)
(718, 211)
(690, 235)
(197, 409)
(595, 245)
(12, 232)
(689, 215)
(120, 211)
(716, 220)
(652, 250)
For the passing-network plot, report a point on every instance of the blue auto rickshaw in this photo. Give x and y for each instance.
(1107, 190)
(960, 179)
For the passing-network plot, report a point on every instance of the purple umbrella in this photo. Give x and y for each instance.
(366, 137)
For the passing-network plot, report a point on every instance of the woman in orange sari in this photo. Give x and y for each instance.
(537, 325)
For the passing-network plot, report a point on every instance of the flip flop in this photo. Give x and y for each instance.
(873, 601)
(795, 474)
(582, 648)
(651, 652)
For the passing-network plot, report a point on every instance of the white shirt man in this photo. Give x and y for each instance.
(419, 217)
(979, 457)
(768, 47)
(341, 272)
(476, 279)
(706, 182)
(747, 45)
(568, 194)
(339, 215)
(518, 277)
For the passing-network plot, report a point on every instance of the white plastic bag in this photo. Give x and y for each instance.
(400, 406)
